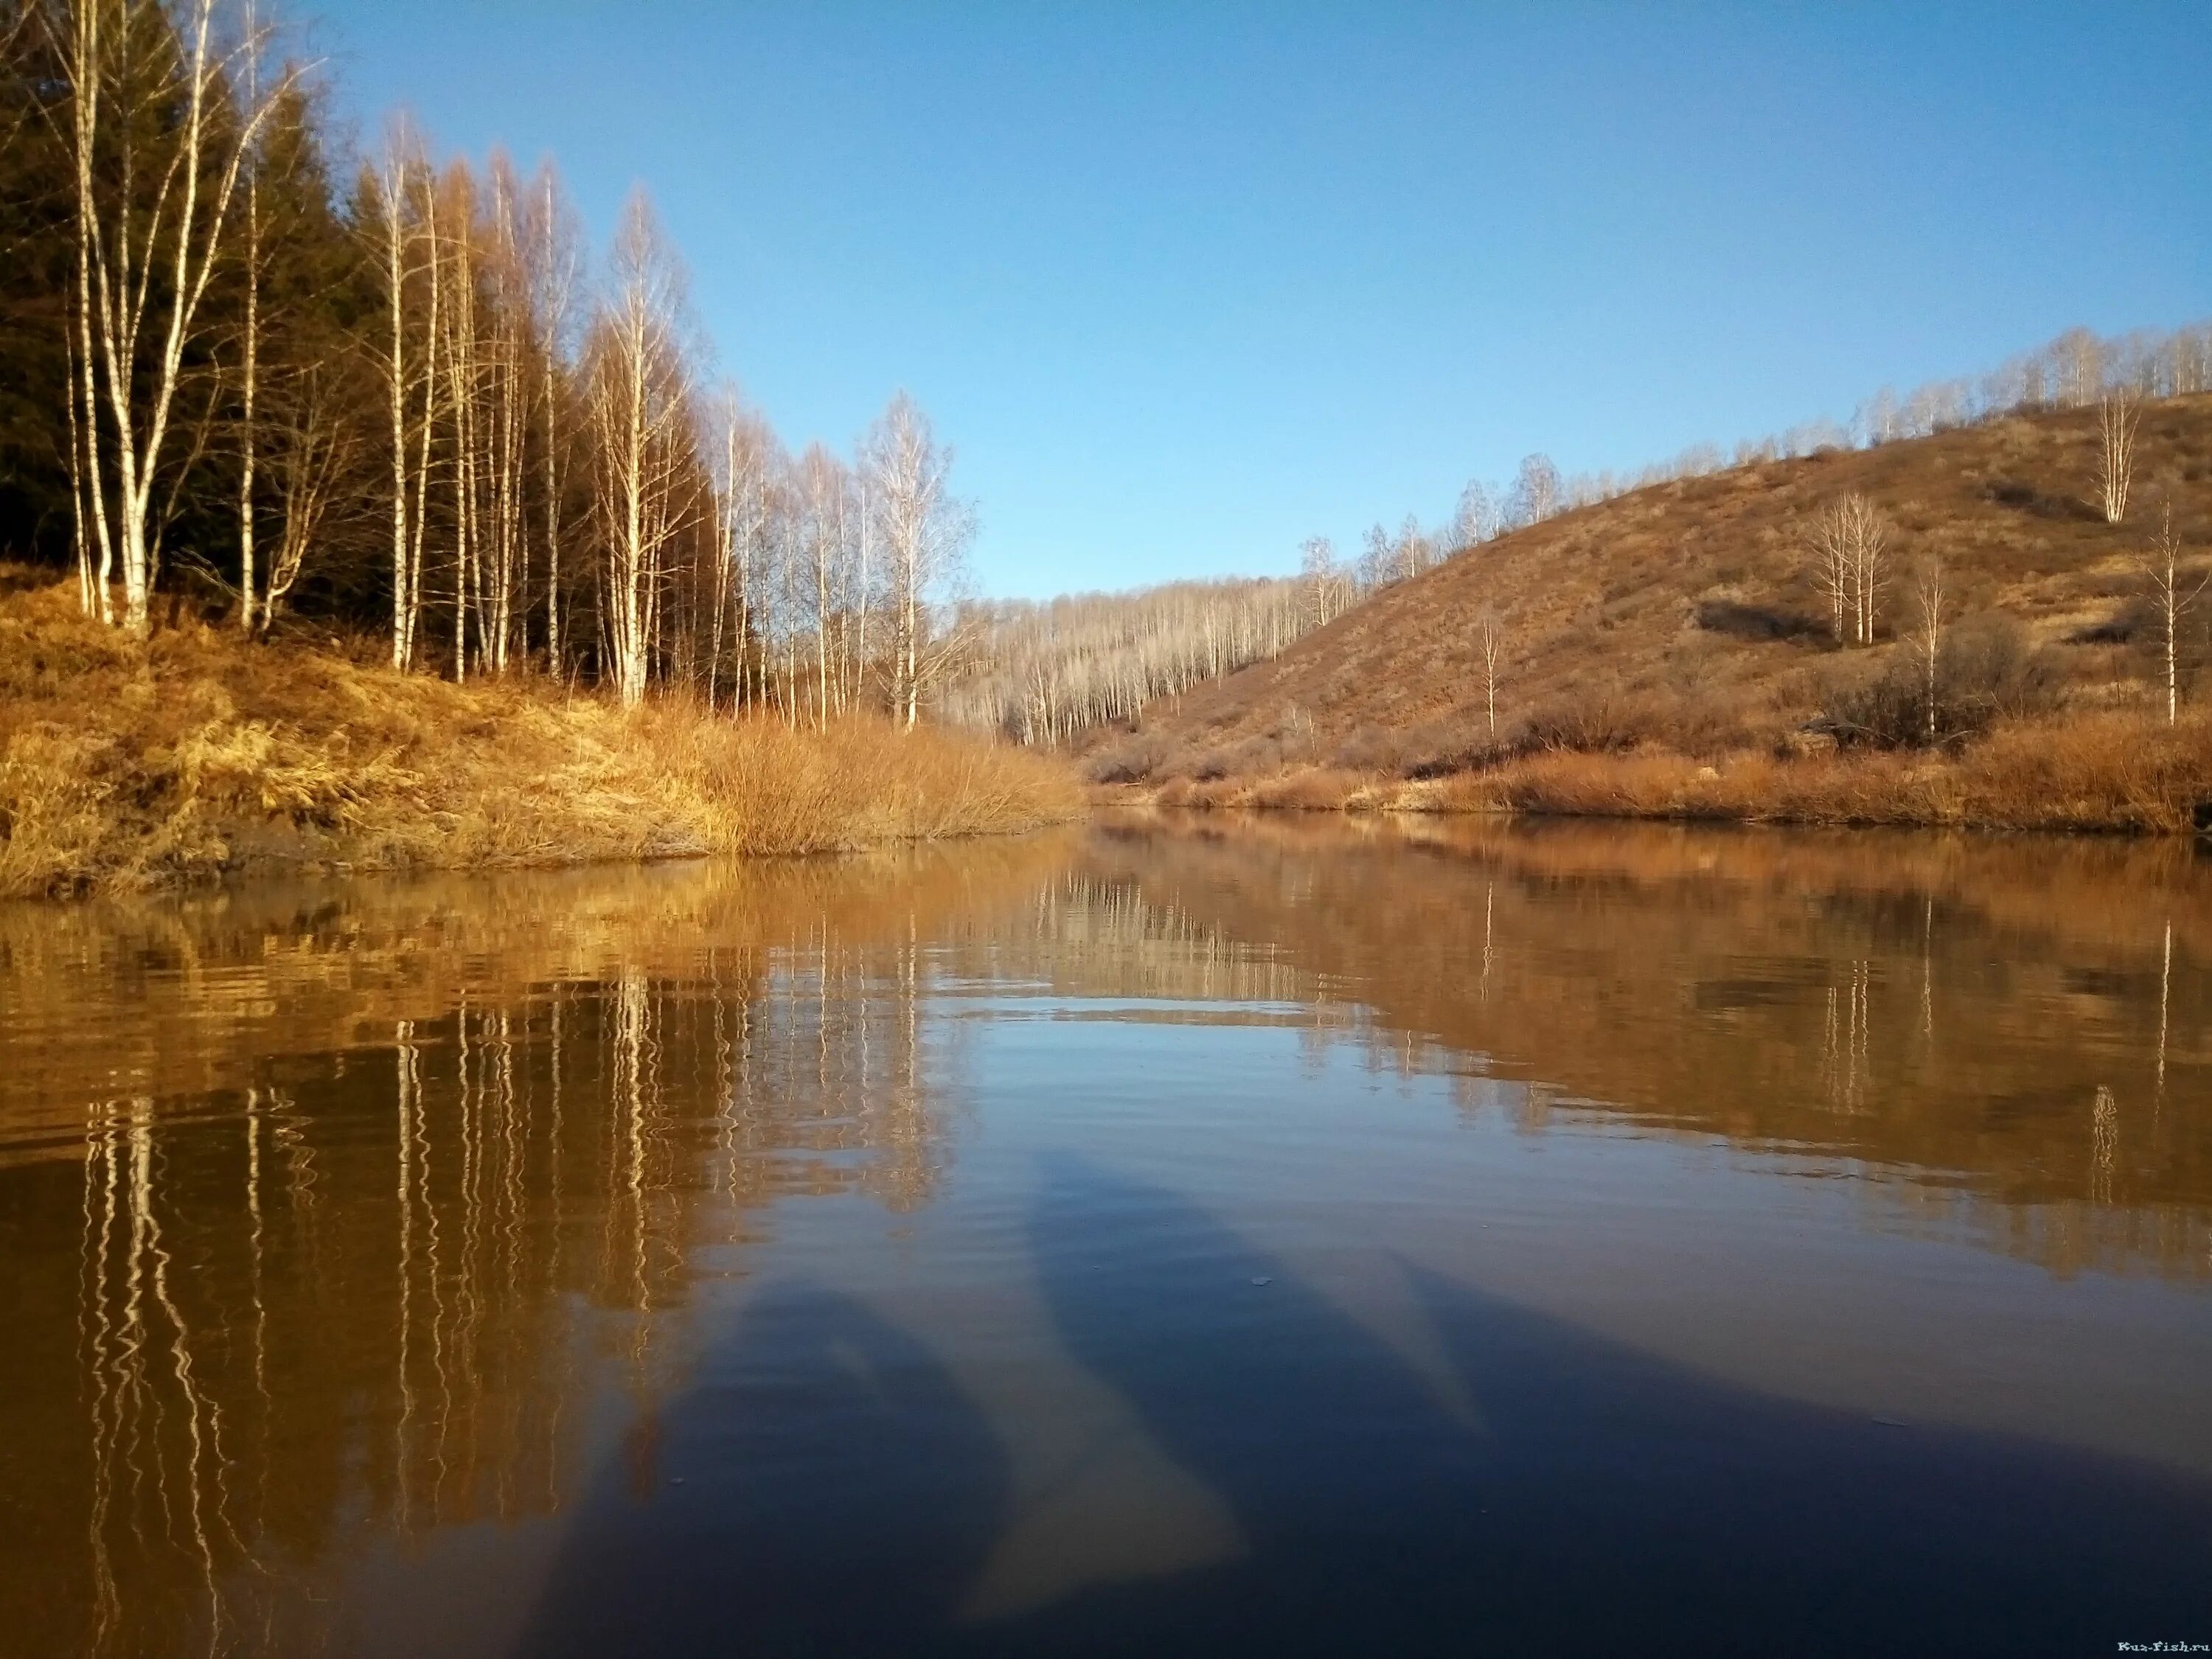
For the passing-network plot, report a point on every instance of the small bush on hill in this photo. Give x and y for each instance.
(1985, 672)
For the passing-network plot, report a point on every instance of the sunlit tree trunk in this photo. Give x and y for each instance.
(250, 378)
(124, 60)
(552, 289)
(639, 395)
(2117, 417)
(2174, 597)
(1928, 641)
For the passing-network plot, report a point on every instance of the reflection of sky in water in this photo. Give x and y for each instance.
(1303, 1236)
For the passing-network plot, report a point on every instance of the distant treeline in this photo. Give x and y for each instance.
(1042, 670)
(244, 371)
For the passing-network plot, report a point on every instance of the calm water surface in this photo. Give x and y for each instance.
(1271, 1237)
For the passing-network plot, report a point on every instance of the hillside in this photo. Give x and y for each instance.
(1687, 619)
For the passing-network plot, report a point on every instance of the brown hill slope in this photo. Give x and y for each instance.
(1687, 616)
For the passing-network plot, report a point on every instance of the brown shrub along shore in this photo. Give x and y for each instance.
(197, 753)
(2123, 770)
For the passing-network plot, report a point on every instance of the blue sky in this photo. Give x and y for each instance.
(1184, 284)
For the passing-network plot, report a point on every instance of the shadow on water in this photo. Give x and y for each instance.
(825, 1488)
(1596, 1501)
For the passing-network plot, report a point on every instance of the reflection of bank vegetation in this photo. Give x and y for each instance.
(519, 1141)
(2012, 1032)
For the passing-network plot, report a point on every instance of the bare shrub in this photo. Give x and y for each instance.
(1985, 672)
(1591, 722)
(1134, 759)
(1370, 749)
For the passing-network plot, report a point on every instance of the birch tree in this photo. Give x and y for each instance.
(158, 151)
(311, 456)
(639, 395)
(1850, 543)
(1317, 570)
(552, 246)
(1491, 639)
(1536, 490)
(2119, 415)
(2173, 596)
(1927, 642)
(1477, 517)
(250, 355)
(820, 489)
(924, 537)
(394, 183)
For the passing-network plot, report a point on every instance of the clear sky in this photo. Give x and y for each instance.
(1184, 284)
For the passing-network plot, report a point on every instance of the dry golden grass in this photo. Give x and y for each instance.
(2125, 770)
(124, 764)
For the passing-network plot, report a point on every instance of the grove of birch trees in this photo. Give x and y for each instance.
(253, 376)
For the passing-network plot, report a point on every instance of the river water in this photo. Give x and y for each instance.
(1214, 1237)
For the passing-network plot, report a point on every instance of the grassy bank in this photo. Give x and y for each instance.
(196, 754)
(2126, 771)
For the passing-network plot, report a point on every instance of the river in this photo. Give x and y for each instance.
(1276, 1236)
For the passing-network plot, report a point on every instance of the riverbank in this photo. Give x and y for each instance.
(2124, 771)
(197, 754)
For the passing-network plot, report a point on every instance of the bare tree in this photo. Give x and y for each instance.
(394, 182)
(640, 397)
(821, 483)
(1491, 640)
(2173, 596)
(2118, 416)
(1851, 541)
(311, 457)
(552, 247)
(1536, 490)
(1928, 640)
(1477, 518)
(250, 365)
(148, 100)
(1317, 570)
(925, 533)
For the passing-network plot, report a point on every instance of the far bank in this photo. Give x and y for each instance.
(2122, 771)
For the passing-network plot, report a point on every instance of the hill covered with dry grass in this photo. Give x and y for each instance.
(1670, 650)
(197, 753)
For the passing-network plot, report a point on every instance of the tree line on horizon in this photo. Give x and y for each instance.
(253, 373)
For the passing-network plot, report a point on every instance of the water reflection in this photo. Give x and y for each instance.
(594, 1262)
(2004, 1026)
(357, 1297)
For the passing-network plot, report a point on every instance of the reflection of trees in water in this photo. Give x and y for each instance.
(2007, 1044)
(1113, 937)
(1846, 1056)
(300, 1331)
